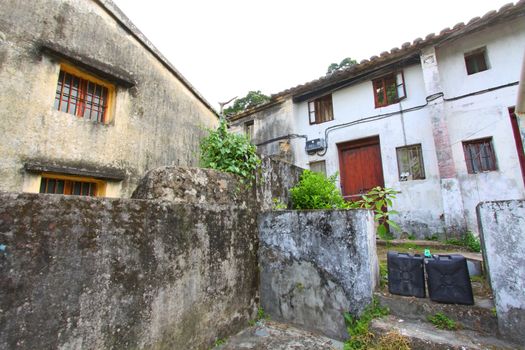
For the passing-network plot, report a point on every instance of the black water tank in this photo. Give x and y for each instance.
(405, 274)
(448, 279)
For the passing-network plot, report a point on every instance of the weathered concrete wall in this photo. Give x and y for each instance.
(158, 121)
(93, 273)
(317, 264)
(502, 229)
(274, 182)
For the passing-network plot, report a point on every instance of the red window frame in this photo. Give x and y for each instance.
(389, 89)
(321, 110)
(81, 96)
(479, 155)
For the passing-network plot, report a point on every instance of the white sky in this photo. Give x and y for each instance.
(226, 48)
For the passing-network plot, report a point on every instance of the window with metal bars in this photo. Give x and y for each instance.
(81, 96)
(389, 89)
(321, 110)
(69, 187)
(410, 163)
(479, 155)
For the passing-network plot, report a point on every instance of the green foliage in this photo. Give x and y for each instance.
(411, 237)
(229, 152)
(347, 62)
(383, 274)
(252, 99)
(469, 241)
(358, 327)
(316, 191)
(379, 199)
(219, 342)
(278, 205)
(442, 321)
(434, 237)
(261, 315)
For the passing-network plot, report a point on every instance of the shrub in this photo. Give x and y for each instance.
(468, 240)
(228, 152)
(316, 191)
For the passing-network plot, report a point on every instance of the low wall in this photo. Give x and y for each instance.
(317, 264)
(91, 273)
(502, 231)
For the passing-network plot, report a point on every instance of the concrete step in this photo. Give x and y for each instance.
(425, 336)
(479, 317)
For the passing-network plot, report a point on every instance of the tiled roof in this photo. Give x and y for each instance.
(506, 12)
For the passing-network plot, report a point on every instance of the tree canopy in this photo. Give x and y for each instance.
(252, 99)
(347, 62)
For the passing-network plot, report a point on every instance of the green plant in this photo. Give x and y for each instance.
(379, 199)
(219, 342)
(261, 315)
(442, 321)
(411, 237)
(358, 327)
(468, 240)
(316, 191)
(434, 237)
(225, 151)
(278, 205)
(383, 274)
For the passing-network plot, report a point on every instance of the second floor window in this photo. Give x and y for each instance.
(476, 61)
(389, 89)
(479, 155)
(321, 110)
(84, 96)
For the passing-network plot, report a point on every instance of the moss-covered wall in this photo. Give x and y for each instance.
(91, 273)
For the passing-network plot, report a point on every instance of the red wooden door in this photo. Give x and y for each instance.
(360, 167)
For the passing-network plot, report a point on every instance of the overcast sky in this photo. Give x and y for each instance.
(226, 48)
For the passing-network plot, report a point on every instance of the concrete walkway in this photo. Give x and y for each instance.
(269, 335)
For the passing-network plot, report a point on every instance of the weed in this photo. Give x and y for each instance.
(316, 191)
(261, 315)
(393, 341)
(383, 273)
(411, 237)
(278, 204)
(469, 241)
(479, 279)
(434, 237)
(219, 342)
(442, 321)
(494, 312)
(360, 336)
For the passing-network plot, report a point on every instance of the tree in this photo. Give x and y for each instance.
(252, 99)
(347, 62)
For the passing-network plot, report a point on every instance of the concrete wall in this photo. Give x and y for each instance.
(502, 228)
(93, 273)
(315, 265)
(157, 121)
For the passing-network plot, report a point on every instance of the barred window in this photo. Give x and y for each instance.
(410, 163)
(82, 95)
(69, 185)
(479, 155)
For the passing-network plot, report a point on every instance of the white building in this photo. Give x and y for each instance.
(431, 119)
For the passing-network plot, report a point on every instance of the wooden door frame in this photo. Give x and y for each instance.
(367, 141)
(518, 141)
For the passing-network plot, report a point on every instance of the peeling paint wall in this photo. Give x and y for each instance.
(316, 265)
(502, 229)
(176, 272)
(158, 121)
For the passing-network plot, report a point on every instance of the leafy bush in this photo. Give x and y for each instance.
(442, 321)
(316, 191)
(379, 199)
(229, 152)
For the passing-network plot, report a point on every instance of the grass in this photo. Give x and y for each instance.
(392, 341)
(383, 274)
(442, 321)
(468, 241)
(358, 327)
